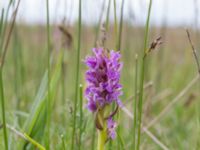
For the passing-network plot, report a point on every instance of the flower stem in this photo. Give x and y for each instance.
(102, 134)
(101, 138)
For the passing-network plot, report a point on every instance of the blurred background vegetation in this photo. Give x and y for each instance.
(170, 69)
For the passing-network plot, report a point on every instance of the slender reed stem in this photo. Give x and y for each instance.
(3, 110)
(116, 40)
(4, 25)
(48, 67)
(81, 115)
(135, 103)
(194, 51)
(95, 44)
(115, 15)
(17, 65)
(121, 26)
(1, 22)
(115, 21)
(2, 59)
(63, 142)
(142, 69)
(108, 15)
(118, 48)
(93, 137)
(9, 36)
(99, 23)
(121, 142)
(63, 87)
(77, 77)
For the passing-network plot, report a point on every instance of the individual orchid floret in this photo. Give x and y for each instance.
(111, 125)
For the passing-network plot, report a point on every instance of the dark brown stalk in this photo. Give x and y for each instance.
(9, 36)
(194, 51)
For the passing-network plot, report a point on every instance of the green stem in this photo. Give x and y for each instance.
(77, 78)
(120, 26)
(108, 16)
(63, 142)
(142, 75)
(93, 137)
(48, 66)
(63, 86)
(2, 95)
(1, 23)
(115, 22)
(135, 103)
(81, 115)
(1, 72)
(101, 138)
(99, 23)
(3, 110)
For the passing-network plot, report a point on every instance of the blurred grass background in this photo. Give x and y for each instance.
(170, 69)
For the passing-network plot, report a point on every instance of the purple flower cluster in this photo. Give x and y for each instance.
(102, 78)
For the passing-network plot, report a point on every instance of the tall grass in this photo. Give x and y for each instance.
(142, 70)
(120, 26)
(77, 76)
(5, 49)
(108, 15)
(81, 116)
(119, 138)
(2, 91)
(38, 124)
(99, 23)
(3, 109)
(49, 76)
(4, 23)
(135, 102)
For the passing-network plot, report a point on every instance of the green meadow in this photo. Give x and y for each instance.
(42, 83)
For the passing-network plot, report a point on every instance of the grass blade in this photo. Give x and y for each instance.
(34, 125)
(142, 69)
(121, 26)
(49, 73)
(1, 73)
(3, 110)
(81, 115)
(77, 77)
(135, 103)
(108, 15)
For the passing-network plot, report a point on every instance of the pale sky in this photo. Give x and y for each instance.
(175, 12)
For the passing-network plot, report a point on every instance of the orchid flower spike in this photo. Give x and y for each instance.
(103, 88)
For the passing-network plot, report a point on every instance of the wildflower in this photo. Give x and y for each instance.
(103, 79)
(103, 87)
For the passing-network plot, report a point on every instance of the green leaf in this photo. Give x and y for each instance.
(35, 124)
